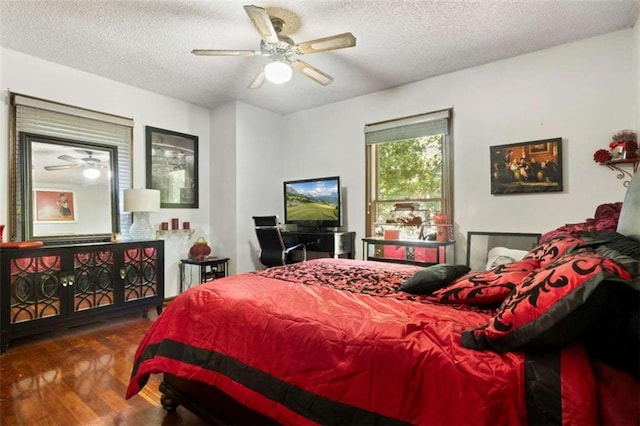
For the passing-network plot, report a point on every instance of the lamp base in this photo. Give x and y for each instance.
(141, 229)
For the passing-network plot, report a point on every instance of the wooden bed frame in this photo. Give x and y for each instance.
(207, 402)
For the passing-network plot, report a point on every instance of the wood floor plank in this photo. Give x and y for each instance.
(79, 376)
(114, 400)
(50, 403)
(77, 406)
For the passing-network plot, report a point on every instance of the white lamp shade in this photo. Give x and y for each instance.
(141, 200)
(278, 72)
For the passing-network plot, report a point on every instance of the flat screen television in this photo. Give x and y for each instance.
(313, 203)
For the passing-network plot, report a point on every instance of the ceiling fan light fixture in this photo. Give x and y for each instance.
(282, 50)
(91, 173)
(278, 72)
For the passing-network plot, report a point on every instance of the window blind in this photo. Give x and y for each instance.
(48, 118)
(434, 123)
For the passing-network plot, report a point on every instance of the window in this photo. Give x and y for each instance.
(409, 172)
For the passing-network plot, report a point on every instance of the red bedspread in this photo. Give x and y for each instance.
(312, 353)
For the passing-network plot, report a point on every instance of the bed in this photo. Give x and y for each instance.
(550, 339)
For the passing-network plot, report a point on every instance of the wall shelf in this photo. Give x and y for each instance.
(619, 166)
(175, 232)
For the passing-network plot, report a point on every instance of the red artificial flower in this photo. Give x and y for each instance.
(601, 156)
(630, 146)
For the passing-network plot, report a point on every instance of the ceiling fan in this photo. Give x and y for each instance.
(90, 164)
(282, 50)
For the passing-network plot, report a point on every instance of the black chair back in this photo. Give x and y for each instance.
(273, 251)
(265, 220)
(271, 245)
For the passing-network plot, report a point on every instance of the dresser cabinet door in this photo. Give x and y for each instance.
(36, 288)
(141, 273)
(94, 279)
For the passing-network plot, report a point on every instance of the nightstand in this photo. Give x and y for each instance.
(210, 268)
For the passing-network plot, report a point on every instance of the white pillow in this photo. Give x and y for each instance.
(501, 255)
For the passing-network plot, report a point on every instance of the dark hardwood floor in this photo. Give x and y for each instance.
(79, 376)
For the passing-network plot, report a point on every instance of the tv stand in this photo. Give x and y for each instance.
(334, 243)
(314, 230)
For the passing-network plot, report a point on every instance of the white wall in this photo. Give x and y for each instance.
(222, 186)
(259, 158)
(249, 163)
(35, 77)
(636, 62)
(581, 92)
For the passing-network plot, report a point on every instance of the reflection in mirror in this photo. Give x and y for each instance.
(70, 194)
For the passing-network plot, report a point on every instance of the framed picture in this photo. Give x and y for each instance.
(526, 167)
(481, 244)
(54, 205)
(172, 167)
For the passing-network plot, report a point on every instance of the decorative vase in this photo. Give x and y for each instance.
(200, 249)
(444, 228)
(440, 218)
(444, 233)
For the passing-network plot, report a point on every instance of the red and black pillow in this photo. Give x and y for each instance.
(557, 305)
(553, 248)
(486, 287)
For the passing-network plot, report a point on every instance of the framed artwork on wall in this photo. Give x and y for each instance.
(172, 167)
(54, 206)
(527, 167)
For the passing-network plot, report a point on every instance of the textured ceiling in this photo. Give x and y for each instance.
(147, 44)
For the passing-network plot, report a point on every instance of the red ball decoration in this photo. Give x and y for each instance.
(602, 156)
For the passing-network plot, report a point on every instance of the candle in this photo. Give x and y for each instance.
(175, 223)
(186, 225)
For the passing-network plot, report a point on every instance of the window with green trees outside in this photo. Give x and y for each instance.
(408, 179)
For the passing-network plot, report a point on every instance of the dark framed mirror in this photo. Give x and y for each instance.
(69, 190)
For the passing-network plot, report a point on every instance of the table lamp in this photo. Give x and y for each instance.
(140, 202)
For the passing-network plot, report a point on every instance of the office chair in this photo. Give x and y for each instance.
(273, 251)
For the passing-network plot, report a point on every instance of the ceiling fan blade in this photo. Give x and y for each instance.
(223, 52)
(257, 82)
(338, 41)
(66, 157)
(312, 72)
(61, 167)
(263, 24)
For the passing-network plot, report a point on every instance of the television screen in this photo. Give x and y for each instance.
(313, 202)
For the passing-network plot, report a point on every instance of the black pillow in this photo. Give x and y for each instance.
(432, 278)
